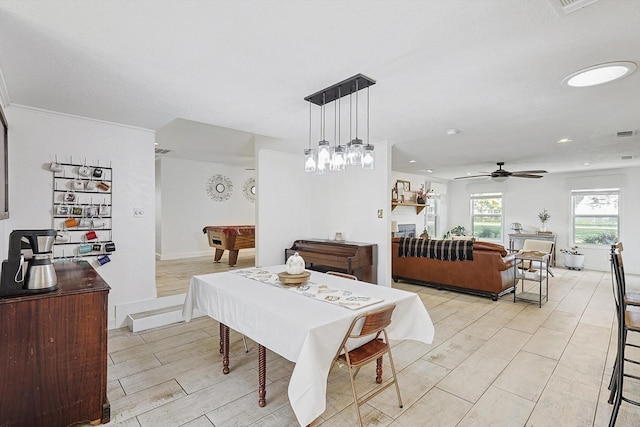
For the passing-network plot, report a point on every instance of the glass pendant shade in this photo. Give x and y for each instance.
(367, 157)
(338, 159)
(357, 151)
(324, 153)
(310, 160)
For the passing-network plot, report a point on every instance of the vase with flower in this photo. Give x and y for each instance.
(422, 195)
(543, 216)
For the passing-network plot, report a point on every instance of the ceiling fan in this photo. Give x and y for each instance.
(501, 174)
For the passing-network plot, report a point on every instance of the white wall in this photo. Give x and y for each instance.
(295, 205)
(524, 198)
(185, 207)
(35, 137)
(283, 205)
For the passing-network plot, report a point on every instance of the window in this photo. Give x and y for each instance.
(595, 216)
(486, 216)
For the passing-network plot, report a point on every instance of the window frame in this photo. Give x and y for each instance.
(480, 196)
(598, 192)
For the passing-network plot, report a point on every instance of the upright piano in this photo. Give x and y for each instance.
(359, 259)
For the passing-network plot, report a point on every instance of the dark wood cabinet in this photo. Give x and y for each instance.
(53, 352)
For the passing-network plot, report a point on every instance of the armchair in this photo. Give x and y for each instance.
(544, 246)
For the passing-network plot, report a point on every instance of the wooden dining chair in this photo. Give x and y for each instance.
(345, 275)
(371, 325)
(627, 321)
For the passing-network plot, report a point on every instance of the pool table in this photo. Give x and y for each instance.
(231, 238)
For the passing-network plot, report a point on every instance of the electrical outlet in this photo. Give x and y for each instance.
(138, 213)
(379, 213)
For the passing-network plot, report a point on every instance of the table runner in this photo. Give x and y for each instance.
(313, 290)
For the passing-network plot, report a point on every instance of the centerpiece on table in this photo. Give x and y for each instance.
(573, 259)
(295, 273)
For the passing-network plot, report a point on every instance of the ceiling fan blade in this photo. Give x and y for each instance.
(472, 176)
(534, 172)
(525, 175)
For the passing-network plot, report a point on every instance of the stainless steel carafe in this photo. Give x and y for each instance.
(29, 267)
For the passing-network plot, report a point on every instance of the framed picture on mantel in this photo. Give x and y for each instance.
(403, 186)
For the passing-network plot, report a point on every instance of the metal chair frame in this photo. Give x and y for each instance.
(372, 324)
(627, 321)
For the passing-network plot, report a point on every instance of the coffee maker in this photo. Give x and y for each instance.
(29, 267)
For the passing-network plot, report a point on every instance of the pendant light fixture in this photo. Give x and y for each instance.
(310, 157)
(368, 157)
(337, 157)
(324, 149)
(356, 149)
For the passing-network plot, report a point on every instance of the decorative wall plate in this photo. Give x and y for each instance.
(250, 189)
(219, 188)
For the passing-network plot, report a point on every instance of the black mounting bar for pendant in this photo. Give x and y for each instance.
(338, 90)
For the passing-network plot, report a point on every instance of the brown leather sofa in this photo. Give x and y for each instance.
(490, 273)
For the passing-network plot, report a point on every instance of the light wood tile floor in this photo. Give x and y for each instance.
(172, 276)
(491, 364)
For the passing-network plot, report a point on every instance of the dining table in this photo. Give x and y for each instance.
(303, 323)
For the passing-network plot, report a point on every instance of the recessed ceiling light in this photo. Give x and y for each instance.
(468, 173)
(586, 164)
(413, 161)
(429, 170)
(453, 131)
(598, 74)
(564, 141)
(156, 143)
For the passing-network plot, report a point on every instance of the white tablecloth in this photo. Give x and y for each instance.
(302, 330)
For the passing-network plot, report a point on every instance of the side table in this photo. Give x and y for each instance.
(531, 274)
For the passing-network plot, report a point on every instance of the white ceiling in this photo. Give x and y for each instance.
(491, 68)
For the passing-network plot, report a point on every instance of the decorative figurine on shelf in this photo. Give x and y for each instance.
(394, 194)
(543, 217)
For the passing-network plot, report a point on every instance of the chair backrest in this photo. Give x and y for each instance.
(374, 322)
(345, 275)
(617, 275)
(617, 280)
(544, 246)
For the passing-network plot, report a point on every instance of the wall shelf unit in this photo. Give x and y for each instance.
(419, 206)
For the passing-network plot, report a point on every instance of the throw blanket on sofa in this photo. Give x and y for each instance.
(445, 250)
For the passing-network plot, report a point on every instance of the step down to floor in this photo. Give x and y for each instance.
(159, 317)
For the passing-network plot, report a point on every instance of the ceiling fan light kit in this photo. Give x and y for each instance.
(500, 175)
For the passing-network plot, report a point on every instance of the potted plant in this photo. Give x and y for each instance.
(458, 230)
(573, 259)
(543, 217)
